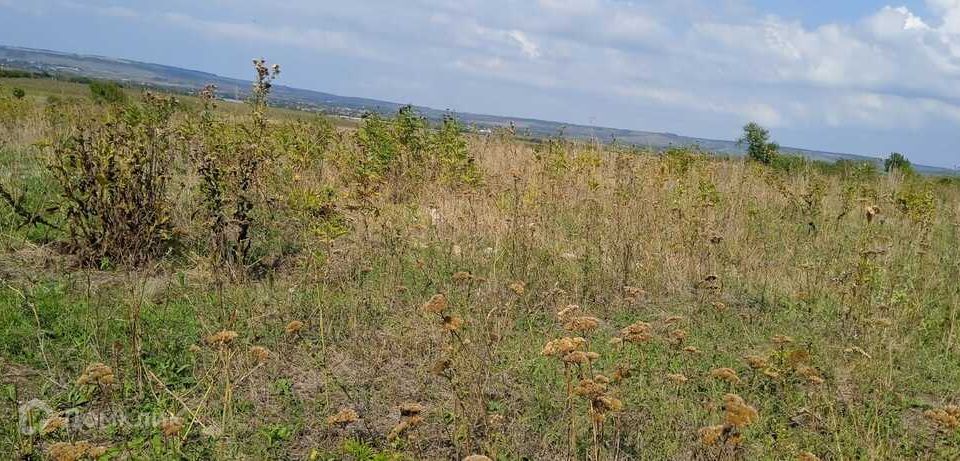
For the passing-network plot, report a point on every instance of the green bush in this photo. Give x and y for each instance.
(107, 92)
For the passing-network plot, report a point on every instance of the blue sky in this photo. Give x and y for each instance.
(866, 77)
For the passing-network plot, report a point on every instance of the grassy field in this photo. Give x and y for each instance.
(293, 289)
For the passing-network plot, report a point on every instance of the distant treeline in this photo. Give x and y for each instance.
(20, 73)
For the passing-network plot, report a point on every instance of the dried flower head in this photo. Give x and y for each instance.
(755, 361)
(578, 357)
(518, 287)
(171, 426)
(771, 373)
(568, 312)
(53, 424)
(677, 337)
(871, 212)
(807, 456)
(725, 374)
(581, 324)
(946, 418)
(221, 338)
(562, 346)
(590, 389)
(260, 354)
(342, 418)
(719, 306)
(97, 373)
(65, 451)
(452, 322)
(736, 411)
(638, 332)
(293, 328)
(404, 426)
(462, 276)
(711, 435)
(410, 409)
(436, 304)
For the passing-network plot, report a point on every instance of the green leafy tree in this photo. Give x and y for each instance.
(897, 161)
(19, 93)
(759, 146)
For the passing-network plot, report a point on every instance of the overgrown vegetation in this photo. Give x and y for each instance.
(184, 279)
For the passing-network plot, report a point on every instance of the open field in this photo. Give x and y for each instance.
(184, 281)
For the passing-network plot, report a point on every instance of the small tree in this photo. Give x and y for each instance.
(19, 93)
(897, 161)
(759, 147)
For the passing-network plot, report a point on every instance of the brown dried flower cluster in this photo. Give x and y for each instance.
(725, 374)
(293, 328)
(560, 347)
(638, 332)
(602, 402)
(737, 415)
(66, 451)
(436, 304)
(259, 353)
(410, 417)
(946, 418)
(342, 418)
(221, 338)
(97, 373)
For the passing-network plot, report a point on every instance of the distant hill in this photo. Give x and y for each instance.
(177, 79)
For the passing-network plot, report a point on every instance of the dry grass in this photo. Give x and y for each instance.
(583, 301)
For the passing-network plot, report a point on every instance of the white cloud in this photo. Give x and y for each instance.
(527, 46)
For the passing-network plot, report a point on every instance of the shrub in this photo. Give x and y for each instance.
(107, 92)
(113, 181)
(19, 93)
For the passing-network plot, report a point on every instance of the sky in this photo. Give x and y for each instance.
(854, 76)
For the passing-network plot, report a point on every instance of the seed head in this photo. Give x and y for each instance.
(519, 287)
(581, 324)
(221, 338)
(711, 435)
(293, 328)
(638, 332)
(562, 346)
(756, 362)
(452, 322)
(53, 424)
(725, 374)
(807, 456)
(97, 373)
(259, 353)
(737, 413)
(437, 304)
(343, 418)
